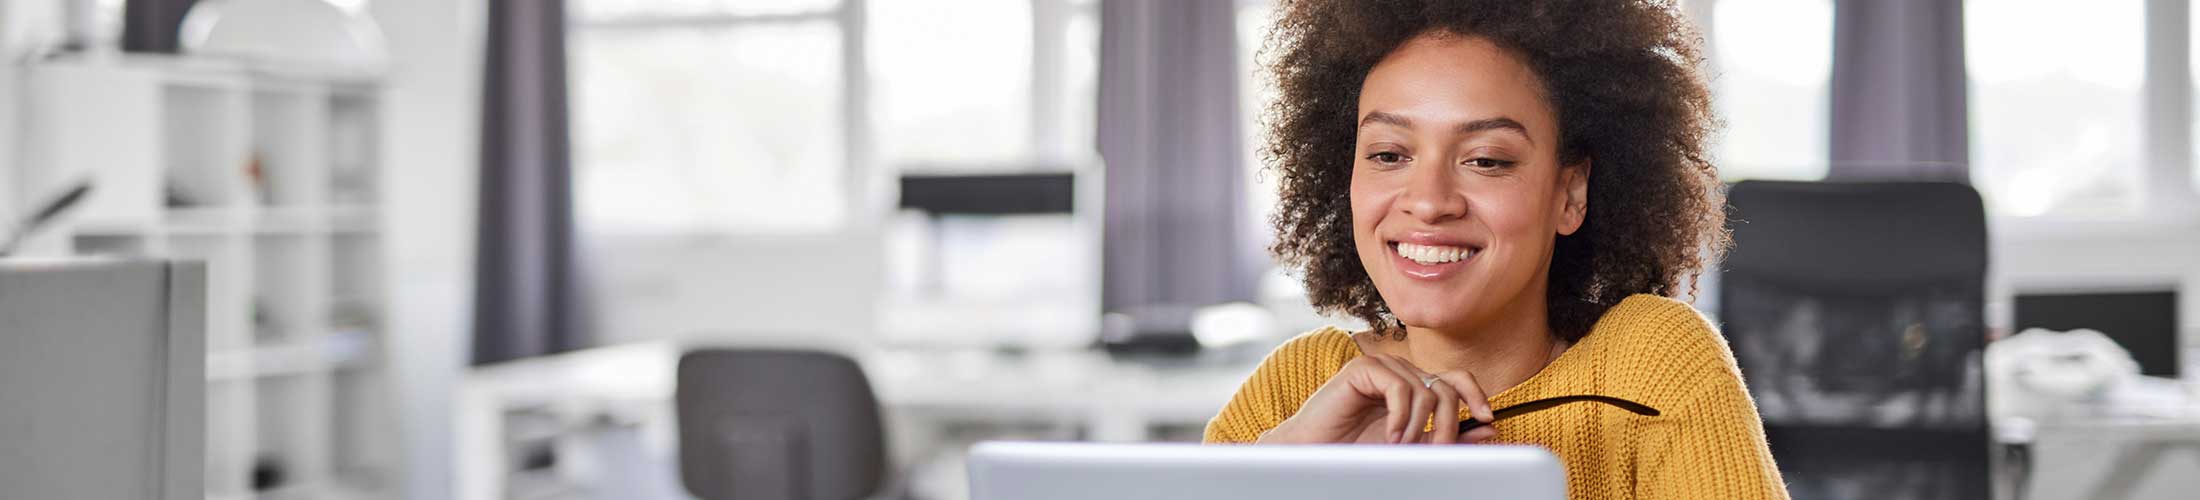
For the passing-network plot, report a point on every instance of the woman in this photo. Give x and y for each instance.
(1508, 191)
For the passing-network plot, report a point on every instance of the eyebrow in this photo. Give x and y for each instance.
(1485, 124)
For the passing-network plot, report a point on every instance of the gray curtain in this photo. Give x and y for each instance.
(1898, 91)
(152, 25)
(1168, 131)
(528, 287)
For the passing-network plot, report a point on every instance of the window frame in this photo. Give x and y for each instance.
(2171, 200)
(866, 181)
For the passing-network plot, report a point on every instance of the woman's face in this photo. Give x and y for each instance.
(1457, 191)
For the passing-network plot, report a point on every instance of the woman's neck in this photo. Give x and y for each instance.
(1500, 354)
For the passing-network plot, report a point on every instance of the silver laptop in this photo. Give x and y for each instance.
(1080, 471)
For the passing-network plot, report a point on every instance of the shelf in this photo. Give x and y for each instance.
(316, 491)
(204, 81)
(212, 221)
(354, 219)
(205, 220)
(114, 227)
(275, 173)
(264, 361)
(287, 358)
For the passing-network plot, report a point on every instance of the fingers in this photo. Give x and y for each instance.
(1411, 428)
(1425, 400)
(1447, 415)
(1397, 393)
(1478, 404)
(1411, 404)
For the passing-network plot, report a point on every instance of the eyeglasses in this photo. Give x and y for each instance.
(1547, 403)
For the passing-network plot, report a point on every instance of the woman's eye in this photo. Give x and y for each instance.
(1387, 157)
(1488, 163)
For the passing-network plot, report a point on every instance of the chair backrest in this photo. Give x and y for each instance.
(1856, 312)
(777, 424)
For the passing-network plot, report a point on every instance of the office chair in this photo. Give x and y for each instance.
(1856, 312)
(777, 424)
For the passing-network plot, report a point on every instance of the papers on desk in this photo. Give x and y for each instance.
(2044, 375)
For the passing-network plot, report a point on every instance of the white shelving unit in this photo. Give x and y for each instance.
(270, 176)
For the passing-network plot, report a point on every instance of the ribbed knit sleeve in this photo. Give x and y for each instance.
(1711, 443)
(1282, 382)
(1717, 450)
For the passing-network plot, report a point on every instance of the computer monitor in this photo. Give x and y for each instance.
(2143, 322)
(1093, 471)
(102, 379)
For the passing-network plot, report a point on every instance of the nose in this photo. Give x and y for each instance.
(1432, 196)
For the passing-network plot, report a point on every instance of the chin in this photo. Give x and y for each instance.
(1437, 314)
(1440, 323)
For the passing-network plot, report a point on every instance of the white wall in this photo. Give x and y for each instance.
(28, 22)
(8, 97)
(819, 289)
(430, 130)
(25, 25)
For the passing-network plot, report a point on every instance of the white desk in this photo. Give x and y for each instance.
(1113, 401)
(2143, 442)
(633, 385)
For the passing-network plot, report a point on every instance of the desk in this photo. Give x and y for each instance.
(2108, 450)
(1111, 400)
(2143, 442)
(631, 386)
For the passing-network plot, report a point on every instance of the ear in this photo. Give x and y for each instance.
(1573, 180)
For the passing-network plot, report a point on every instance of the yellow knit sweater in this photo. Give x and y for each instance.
(1707, 443)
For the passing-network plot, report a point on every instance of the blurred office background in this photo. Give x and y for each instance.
(458, 248)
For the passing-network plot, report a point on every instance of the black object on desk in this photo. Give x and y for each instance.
(990, 194)
(1150, 332)
(2144, 323)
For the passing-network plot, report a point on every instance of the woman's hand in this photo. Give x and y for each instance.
(1378, 398)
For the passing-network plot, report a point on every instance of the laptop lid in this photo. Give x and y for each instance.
(1082, 471)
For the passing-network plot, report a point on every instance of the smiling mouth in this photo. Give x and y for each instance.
(1430, 255)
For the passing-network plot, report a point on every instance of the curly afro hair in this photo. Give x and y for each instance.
(1624, 79)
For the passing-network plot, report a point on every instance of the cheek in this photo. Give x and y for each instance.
(1520, 220)
(1368, 205)
(1512, 215)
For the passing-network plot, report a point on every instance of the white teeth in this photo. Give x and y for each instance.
(1427, 254)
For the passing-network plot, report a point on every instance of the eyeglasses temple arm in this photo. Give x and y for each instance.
(1541, 404)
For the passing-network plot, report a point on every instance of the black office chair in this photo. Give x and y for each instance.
(1856, 311)
(775, 424)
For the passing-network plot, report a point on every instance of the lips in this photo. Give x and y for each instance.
(1433, 254)
(1431, 258)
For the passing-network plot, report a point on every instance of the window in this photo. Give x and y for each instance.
(709, 116)
(1770, 61)
(2056, 120)
(1253, 19)
(2192, 33)
(951, 81)
(1078, 83)
(597, 10)
(744, 116)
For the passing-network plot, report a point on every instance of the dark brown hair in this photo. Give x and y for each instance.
(1624, 79)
